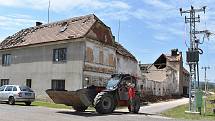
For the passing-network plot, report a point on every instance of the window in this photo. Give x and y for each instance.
(96, 53)
(89, 55)
(58, 84)
(2, 88)
(59, 54)
(28, 82)
(111, 60)
(14, 89)
(101, 57)
(25, 88)
(6, 59)
(4, 82)
(9, 88)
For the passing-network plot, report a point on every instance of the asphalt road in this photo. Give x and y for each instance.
(157, 108)
(32, 113)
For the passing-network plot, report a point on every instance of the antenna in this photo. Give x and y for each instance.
(48, 10)
(118, 30)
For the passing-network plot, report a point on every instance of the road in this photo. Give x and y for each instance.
(157, 108)
(33, 113)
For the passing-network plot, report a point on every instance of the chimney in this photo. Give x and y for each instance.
(174, 52)
(38, 23)
(113, 38)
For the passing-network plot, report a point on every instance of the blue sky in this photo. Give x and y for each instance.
(148, 27)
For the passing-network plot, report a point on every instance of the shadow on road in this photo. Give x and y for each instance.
(93, 113)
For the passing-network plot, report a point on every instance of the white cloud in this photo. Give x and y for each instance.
(14, 3)
(65, 5)
(12, 23)
(15, 21)
(158, 4)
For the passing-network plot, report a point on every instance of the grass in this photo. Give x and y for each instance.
(179, 112)
(50, 105)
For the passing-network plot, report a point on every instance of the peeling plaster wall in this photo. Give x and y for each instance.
(97, 72)
(156, 74)
(161, 82)
(126, 65)
(100, 63)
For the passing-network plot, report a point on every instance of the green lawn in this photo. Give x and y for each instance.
(179, 112)
(50, 105)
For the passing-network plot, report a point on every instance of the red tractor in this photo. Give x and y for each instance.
(104, 99)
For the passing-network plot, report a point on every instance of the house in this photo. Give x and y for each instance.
(64, 55)
(166, 76)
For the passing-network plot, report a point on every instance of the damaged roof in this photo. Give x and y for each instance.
(66, 29)
(173, 58)
(162, 60)
(122, 51)
(145, 67)
(72, 28)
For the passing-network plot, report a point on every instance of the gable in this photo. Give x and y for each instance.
(101, 33)
(160, 63)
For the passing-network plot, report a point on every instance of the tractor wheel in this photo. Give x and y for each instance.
(80, 108)
(104, 103)
(136, 105)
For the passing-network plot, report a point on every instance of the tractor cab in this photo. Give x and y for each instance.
(120, 80)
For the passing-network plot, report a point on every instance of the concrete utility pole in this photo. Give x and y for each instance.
(193, 53)
(206, 83)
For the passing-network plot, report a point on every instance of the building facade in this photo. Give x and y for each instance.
(64, 55)
(166, 76)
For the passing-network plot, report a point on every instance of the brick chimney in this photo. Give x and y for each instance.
(174, 52)
(38, 23)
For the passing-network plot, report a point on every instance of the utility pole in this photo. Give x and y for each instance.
(206, 83)
(193, 53)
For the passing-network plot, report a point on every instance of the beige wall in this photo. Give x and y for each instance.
(156, 74)
(167, 81)
(36, 63)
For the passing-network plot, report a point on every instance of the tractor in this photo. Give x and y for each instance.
(103, 99)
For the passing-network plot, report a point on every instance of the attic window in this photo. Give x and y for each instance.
(63, 26)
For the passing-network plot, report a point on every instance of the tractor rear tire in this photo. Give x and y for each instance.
(80, 108)
(104, 103)
(136, 106)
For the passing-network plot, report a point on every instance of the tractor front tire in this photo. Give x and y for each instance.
(136, 106)
(80, 108)
(104, 103)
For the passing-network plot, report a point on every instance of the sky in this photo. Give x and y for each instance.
(148, 28)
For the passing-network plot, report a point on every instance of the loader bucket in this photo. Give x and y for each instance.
(71, 98)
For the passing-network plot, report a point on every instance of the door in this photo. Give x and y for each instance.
(1, 92)
(7, 93)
